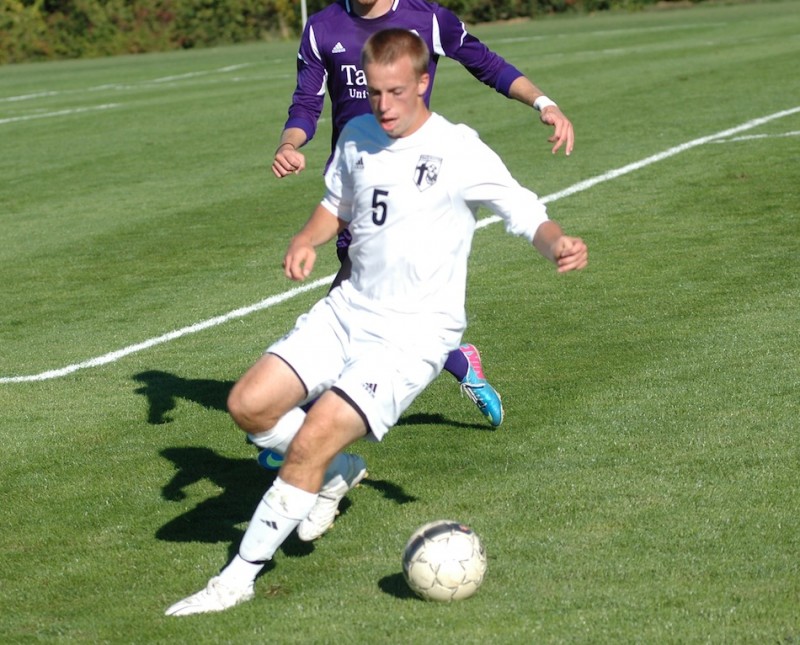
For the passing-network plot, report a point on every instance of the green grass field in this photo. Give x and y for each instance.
(645, 486)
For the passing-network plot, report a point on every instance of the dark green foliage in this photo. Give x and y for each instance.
(52, 29)
(91, 28)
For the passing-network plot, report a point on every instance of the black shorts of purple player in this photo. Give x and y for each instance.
(342, 244)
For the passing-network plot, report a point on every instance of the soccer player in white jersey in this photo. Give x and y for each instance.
(371, 346)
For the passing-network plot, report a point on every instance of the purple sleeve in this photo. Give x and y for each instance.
(485, 65)
(309, 95)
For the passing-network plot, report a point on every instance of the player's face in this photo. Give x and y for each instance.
(396, 97)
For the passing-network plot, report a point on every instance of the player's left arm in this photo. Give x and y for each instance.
(493, 70)
(301, 255)
(566, 252)
(524, 91)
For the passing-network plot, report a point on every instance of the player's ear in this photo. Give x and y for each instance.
(423, 83)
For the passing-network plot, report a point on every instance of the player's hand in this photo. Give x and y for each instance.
(299, 259)
(288, 161)
(570, 253)
(563, 134)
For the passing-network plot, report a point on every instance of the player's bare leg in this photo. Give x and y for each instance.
(325, 433)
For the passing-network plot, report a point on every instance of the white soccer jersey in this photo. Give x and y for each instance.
(411, 204)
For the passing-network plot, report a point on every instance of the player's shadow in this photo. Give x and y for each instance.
(429, 419)
(241, 484)
(222, 518)
(163, 390)
(388, 490)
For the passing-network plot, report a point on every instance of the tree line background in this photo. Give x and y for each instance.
(50, 29)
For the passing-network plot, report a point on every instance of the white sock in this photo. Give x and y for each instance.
(240, 573)
(277, 515)
(279, 437)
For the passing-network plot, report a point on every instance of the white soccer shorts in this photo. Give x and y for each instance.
(380, 375)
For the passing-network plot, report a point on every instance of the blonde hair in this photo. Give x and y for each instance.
(389, 45)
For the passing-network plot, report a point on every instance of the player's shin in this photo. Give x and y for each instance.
(277, 515)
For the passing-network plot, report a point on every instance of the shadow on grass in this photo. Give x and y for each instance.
(241, 482)
(223, 518)
(395, 585)
(429, 419)
(163, 389)
(390, 491)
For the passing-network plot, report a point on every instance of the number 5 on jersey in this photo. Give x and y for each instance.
(379, 206)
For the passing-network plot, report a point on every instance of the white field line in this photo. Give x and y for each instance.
(45, 115)
(287, 295)
(751, 137)
(115, 86)
(180, 77)
(173, 335)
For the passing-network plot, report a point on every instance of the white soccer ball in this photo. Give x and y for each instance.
(444, 560)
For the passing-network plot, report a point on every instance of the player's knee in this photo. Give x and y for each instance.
(249, 411)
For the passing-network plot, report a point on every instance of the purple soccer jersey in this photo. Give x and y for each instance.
(330, 58)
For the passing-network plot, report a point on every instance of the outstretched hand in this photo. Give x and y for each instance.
(570, 253)
(563, 134)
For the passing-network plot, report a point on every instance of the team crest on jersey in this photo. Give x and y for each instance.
(426, 171)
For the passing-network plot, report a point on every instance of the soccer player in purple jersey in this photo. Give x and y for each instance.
(328, 59)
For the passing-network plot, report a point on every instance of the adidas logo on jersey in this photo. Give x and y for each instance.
(370, 387)
(360, 164)
(338, 48)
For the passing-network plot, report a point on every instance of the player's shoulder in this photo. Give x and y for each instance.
(361, 129)
(466, 132)
(326, 31)
(456, 132)
(331, 18)
(458, 142)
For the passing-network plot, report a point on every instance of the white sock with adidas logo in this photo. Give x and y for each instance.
(276, 516)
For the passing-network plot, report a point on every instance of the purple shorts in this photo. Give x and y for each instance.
(343, 243)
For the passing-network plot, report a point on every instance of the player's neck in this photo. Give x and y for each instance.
(371, 8)
(420, 120)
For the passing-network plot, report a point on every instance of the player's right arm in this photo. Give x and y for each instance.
(301, 255)
(304, 112)
(288, 158)
(566, 252)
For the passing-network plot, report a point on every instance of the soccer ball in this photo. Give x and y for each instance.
(444, 560)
